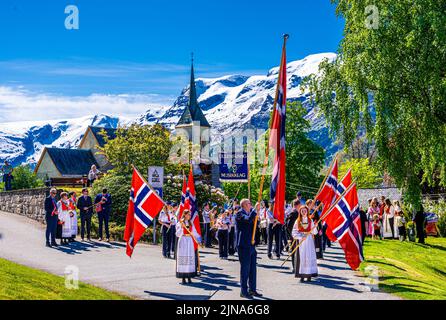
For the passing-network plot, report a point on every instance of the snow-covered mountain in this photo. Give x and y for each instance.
(236, 102)
(23, 142)
(230, 103)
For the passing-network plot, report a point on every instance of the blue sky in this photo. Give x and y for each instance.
(143, 47)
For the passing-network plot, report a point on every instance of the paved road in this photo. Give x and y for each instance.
(150, 276)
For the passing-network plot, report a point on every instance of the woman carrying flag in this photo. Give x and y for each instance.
(186, 258)
(305, 262)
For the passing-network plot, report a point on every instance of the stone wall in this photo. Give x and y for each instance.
(365, 194)
(28, 203)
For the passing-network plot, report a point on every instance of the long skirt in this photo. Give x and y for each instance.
(64, 216)
(305, 262)
(74, 224)
(186, 258)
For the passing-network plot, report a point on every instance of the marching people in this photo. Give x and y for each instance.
(166, 226)
(289, 224)
(85, 206)
(274, 233)
(174, 221)
(186, 256)
(222, 225)
(93, 175)
(207, 225)
(232, 227)
(103, 203)
(73, 215)
(315, 215)
(51, 218)
(6, 171)
(305, 261)
(63, 209)
(263, 223)
(247, 253)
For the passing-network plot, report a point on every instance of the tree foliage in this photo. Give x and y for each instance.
(24, 178)
(390, 81)
(304, 162)
(365, 174)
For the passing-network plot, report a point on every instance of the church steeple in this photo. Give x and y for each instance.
(193, 102)
(193, 113)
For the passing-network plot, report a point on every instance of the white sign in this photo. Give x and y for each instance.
(156, 177)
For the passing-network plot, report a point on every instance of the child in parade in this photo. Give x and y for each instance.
(376, 227)
(186, 257)
(401, 224)
(305, 261)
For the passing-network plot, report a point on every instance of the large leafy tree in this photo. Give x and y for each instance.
(389, 81)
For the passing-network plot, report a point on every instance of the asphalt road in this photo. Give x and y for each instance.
(150, 276)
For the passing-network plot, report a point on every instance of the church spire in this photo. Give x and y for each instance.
(193, 102)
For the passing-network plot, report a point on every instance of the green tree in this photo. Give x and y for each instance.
(24, 178)
(140, 145)
(304, 161)
(389, 80)
(365, 174)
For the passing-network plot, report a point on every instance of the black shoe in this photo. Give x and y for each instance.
(309, 279)
(270, 255)
(246, 296)
(48, 245)
(255, 294)
(54, 244)
(302, 280)
(189, 280)
(183, 281)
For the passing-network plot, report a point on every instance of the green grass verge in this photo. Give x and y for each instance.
(18, 282)
(407, 269)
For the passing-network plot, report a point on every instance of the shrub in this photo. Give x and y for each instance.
(24, 178)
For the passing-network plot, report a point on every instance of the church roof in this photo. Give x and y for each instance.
(192, 112)
(74, 162)
(111, 134)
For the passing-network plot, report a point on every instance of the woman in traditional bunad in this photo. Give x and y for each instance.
(73, 215)
(186, 257)
(305, 262)
(63, 209)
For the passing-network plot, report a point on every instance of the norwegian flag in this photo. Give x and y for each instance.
(277, 142)
(183, 197)
(328, 193)
(144, 206)
(344, 220)
(345, 183)
(190, 203)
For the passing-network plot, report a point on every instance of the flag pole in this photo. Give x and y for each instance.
(265, 162)
(320, 219)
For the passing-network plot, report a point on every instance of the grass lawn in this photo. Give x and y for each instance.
(407, 269)
(18, 282)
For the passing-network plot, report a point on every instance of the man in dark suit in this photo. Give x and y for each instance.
(420, 220)
(51, 218)
(85, 205)
(103, 202)
(289, 225)
(246, 250)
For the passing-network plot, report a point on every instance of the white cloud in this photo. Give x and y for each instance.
(20, 104)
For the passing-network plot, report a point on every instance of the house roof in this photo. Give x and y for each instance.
(74, 162)
(192, 112)
(111, 134)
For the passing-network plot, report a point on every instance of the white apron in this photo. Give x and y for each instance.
(186, 264)
(305, 261)
(64, 216)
